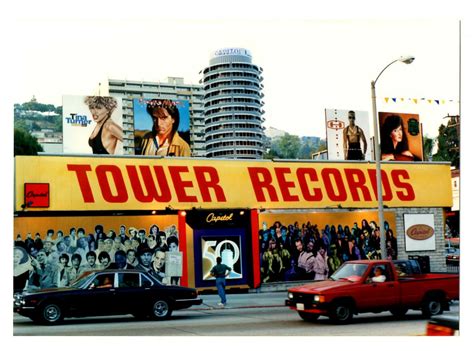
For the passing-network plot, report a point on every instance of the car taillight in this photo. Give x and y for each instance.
(438, 330)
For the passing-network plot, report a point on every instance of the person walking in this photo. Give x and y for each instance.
(220, 271)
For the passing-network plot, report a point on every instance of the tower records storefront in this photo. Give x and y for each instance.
(235, 209)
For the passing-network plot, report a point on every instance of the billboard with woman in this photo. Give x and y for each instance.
(401, 137)
(92, 125)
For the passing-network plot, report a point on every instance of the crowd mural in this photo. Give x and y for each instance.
(303, 251)
(53, 252)
(57, 258)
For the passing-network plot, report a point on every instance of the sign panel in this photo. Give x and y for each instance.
(36, 195)
(232, 51)
(419, 232)
(174, 264)
(161, 127)
(401, 137)
(228, 243)
(348, 135)
(105, 183)
(92, 125)
(226, 246)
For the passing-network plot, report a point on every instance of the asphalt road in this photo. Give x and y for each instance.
(246, 315)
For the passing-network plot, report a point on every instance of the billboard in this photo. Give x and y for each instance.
(348, 135)
(161, 127)
(105, 183)
(92, 125)
(401, 137)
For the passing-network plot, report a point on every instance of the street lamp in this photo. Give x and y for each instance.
(378, 174)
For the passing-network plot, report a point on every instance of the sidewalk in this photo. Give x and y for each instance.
(245, 300)
(254, 300)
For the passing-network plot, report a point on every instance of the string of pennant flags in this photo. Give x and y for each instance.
(419, 100)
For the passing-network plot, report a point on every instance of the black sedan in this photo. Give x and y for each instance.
(108, 292)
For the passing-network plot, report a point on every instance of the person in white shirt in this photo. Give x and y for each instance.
(379, 277)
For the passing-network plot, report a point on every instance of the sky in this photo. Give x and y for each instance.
(315, 55)
(309, 64)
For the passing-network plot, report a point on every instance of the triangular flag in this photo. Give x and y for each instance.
(415, 101)
(394, 99)
(442, 101)
(403, 99)
(386, 99)
(429, 101)
(437, 102)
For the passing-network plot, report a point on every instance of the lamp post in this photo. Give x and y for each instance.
(378, 174)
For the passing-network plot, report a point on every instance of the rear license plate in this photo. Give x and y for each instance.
(300, 306)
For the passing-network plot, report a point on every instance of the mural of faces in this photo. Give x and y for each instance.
(289, 251)
(38, 263)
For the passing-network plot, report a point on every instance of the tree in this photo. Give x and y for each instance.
(448, 142)
(286, 147)
(309, 145)
(428, 144)
(57, 124)
(21, 124)
(322, 146)
(36, 106)
(25, 143)
(35, 126)
(305, 151)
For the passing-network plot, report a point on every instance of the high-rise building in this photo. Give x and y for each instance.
(233, 105)
(173, 89)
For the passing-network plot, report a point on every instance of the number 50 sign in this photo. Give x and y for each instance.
(226, 248)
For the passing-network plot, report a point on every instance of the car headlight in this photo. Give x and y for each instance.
(18, 300)
(290, 296)
(318, 298)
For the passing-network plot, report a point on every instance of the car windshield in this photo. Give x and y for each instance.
(451, 250)
(79, 281)
(350, 271)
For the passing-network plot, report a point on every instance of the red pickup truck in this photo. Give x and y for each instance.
(373, 286)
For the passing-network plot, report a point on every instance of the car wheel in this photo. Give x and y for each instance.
(308, 317)
(161, 309)
(341, 313)
(432, 306)
(399, 312)
(50, 313)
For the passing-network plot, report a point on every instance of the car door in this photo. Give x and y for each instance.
(102, 290)
(129, 293)
(374, 295)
